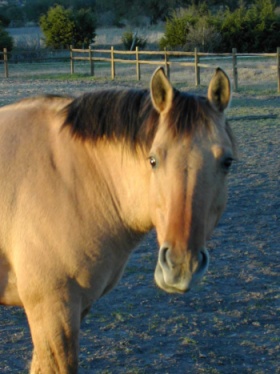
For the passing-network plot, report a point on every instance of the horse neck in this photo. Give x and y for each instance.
(125, 179)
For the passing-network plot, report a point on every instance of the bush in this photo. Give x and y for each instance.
(84, 30)
(255, 28)
(58, 27)
(203, 36)
(176, 29)
(63, 27)
(131, 40)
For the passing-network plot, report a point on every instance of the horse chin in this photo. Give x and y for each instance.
(170, 284)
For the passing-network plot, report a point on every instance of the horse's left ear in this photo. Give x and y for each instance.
(161, 91)
(219, 91)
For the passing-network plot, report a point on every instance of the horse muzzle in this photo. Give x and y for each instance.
(180, 278)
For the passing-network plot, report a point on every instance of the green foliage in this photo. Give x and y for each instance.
(114, 12)
(203, 35)
(136, 12)
(131, 40)
(16, 15)
(176, 30)
(34, 9)
(214, 25)
(158, 10)
(12, 15)
(63, 27)
(254, 28)
(6, 41)
(190, 28)
(4, 20)
(58, 27)
(236, 30)
(85, 25)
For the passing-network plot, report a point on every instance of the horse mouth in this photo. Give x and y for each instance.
(174, 284)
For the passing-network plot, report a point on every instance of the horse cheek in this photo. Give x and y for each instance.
(218, 205)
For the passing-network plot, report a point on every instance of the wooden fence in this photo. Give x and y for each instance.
(187, 59)
(169, 59)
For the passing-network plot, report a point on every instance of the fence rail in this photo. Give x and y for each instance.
(165, 60)
(169, 59)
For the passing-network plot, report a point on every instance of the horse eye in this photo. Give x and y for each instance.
(227, 163)
(153, 162)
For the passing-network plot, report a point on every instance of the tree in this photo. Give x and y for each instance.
(252, 29)
(157, 10)
(15, 15)
(34, 9)
(6, 41)
(203, 35)
(268, 26)
(190, 28)
(62, 27)
(4, 20)
(176, 29)
(58, 27)
(84, 30)
(236, 31)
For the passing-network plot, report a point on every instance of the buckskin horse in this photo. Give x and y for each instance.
(83, 179)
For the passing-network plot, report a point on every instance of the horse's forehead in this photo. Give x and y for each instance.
(196, 151)
(198, 139)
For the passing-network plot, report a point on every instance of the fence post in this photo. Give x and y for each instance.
(167, 67)
(113, 70)
(6, 62)
(71, 60)
(91, 61)
(278, 67)
(138, 73)
(196, 66)
(234, 70)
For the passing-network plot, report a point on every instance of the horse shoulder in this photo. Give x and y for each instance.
(30, 185)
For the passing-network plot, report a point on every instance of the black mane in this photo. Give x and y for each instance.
(128, 115)
(112, 114)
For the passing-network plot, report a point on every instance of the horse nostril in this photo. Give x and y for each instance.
(164, 257)
(163, 251)
(204, 260)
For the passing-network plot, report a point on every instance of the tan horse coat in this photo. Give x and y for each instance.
(72, 209)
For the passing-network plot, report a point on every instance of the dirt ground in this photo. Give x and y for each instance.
(231, 322)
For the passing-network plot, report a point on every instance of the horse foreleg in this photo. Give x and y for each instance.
(35, 365)
(54, 326)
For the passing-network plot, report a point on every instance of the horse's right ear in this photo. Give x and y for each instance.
(161, 91)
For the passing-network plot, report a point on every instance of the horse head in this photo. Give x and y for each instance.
(190, 159)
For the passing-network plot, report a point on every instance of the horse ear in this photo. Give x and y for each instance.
(219, 91)
(161, 91)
